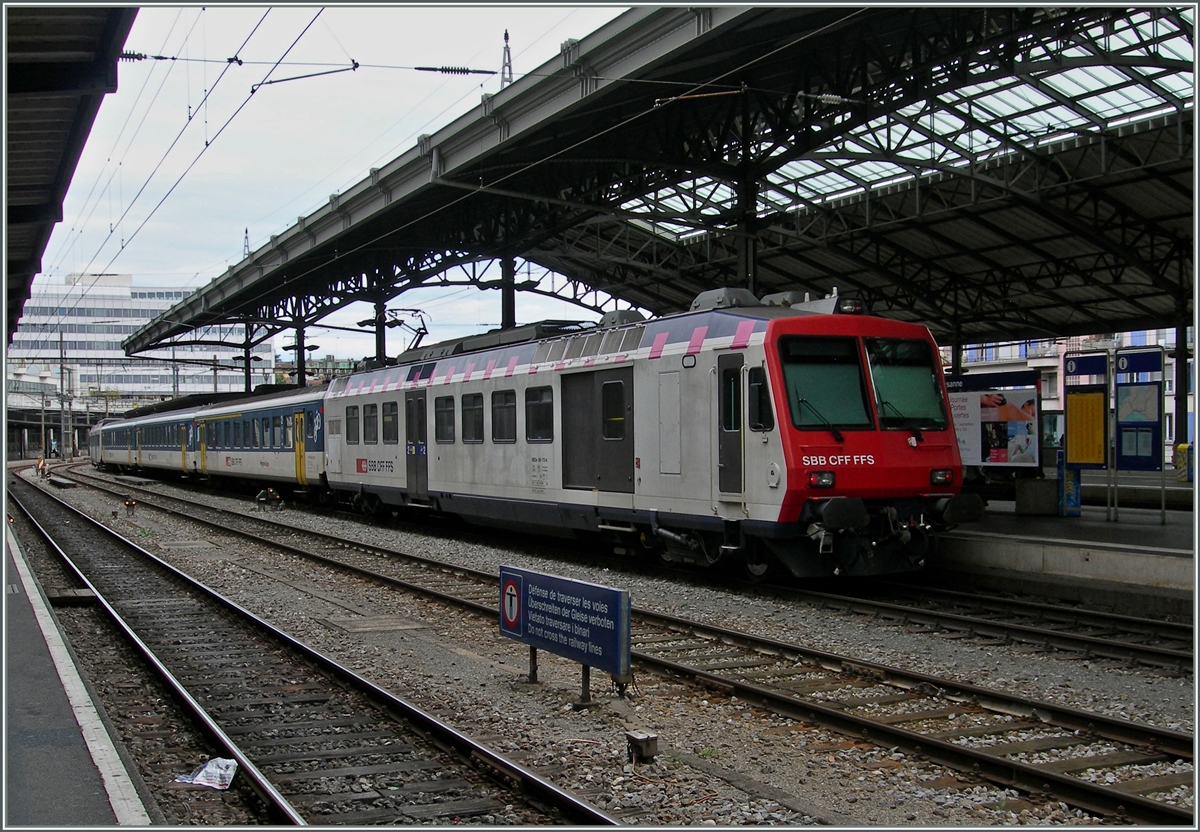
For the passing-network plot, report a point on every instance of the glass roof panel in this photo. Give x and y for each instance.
(968, 123)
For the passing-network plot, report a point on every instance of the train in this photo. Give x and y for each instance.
(780, 434)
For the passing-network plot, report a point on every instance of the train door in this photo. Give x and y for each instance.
(416, 450)
(597, 418)
(729, 425)
(298, 445)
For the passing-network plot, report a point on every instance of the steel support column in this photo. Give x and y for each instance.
(508, 292)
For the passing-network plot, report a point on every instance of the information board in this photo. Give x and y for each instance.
(583, 622)
(1087, 426)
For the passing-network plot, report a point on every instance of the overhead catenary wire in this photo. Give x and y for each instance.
(696, 89)
(163, 159)
(207, 144)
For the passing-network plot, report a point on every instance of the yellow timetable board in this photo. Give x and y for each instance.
(1086, 415)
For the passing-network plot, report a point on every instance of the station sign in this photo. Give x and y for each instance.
(583, 622)
(1085, 365)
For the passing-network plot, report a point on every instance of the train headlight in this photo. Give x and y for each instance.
(941, 476)
(820, 479)
(849, 306)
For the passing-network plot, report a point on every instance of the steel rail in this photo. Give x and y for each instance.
(574, 808)
(1013, 632)
(281, 808)
(1025, 776)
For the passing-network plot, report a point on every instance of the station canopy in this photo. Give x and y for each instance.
(997, 174)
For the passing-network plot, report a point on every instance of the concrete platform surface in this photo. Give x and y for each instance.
(61, 766)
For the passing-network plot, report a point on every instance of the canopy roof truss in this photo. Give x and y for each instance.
(997, 174)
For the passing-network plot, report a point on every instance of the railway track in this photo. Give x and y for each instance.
(320, 743)
(1140, 641)
(1041, 748)
(1143, 641)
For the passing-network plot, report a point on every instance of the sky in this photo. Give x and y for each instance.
(184, 161)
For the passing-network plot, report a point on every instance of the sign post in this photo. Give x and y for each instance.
(583, 622)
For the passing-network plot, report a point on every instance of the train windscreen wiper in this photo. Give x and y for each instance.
(837, 434)
(908, 423)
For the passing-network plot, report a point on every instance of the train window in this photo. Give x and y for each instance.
(427, 371)
(237, 434)
(276, 428)
(759, 400)
(908, 394)
(247, 438)
(504, 416)
(352, 425)
(256, 440)
(371, 424)
(539, 414)
(443, 419)
(632, 339)
(824, 380)
(287, 431)
(310, 425)
(612, 409)
(472, 416)
(731, 397)
(391, 423)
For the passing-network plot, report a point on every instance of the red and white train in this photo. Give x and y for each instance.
(774, 433)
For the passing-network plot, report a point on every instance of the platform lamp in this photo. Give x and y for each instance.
(248, 365)
(300, 374)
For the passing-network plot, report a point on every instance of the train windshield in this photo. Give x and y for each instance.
(907, 393)
(824, 380)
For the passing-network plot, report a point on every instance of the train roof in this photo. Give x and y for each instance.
(196, 401)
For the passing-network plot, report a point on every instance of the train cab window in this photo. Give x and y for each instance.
(443, 419)
(612, 409)
(370, 424)
(908, 394)
(352, 425)
(287, 432)
(539, 414)
(504, 416)
(824, 380)
(472, 417)
(391, 423)
(758, 402)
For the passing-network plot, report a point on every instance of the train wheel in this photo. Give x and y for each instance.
(758, 563)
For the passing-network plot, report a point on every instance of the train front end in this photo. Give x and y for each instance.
(873, 469)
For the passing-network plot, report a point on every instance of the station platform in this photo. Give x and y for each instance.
(1134, 564)
(62, 767)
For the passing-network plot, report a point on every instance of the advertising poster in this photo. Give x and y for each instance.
(996, 427)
